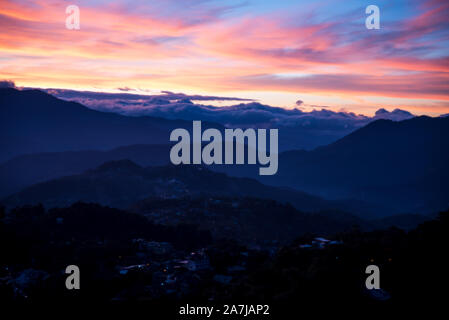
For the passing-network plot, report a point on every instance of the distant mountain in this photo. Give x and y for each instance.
(299, 129)
(402, 165)
(26, 170)
(384, 168)
(122, 183)
(33, 121)
(398, 166)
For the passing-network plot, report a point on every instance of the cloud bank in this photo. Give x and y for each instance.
(7, 84)
(171, 105)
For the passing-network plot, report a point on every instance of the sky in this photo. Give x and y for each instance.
(275, 52)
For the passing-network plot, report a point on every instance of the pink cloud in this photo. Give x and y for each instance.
(200, 46)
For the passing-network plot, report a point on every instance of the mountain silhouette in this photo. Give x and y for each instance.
(384, 168)
(26, 170)
(32, 121)
(122, 183)
(402, 165)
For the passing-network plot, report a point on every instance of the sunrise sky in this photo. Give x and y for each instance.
(277, 52)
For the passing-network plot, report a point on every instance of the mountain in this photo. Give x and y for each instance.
(244, 219)
(32, 121)
(122, 183)
(402, 165)
(299, 129)
(241, 209)
(383, 168)
(26, 170)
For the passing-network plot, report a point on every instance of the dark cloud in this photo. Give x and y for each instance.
(124, 89)
(317, 106)
(179, 96)
(165, 96)
(299, 102)
(7, 84)
(396, 114)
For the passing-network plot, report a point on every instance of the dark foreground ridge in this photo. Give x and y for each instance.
(125, 258)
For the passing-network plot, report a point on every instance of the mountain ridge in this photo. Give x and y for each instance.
(400, 164)
(32, 121)
(122, 183)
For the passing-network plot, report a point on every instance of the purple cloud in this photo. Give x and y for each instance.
(172, 105)
(7, 84)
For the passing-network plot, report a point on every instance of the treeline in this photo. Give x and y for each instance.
(413, 266)
(30, 233)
